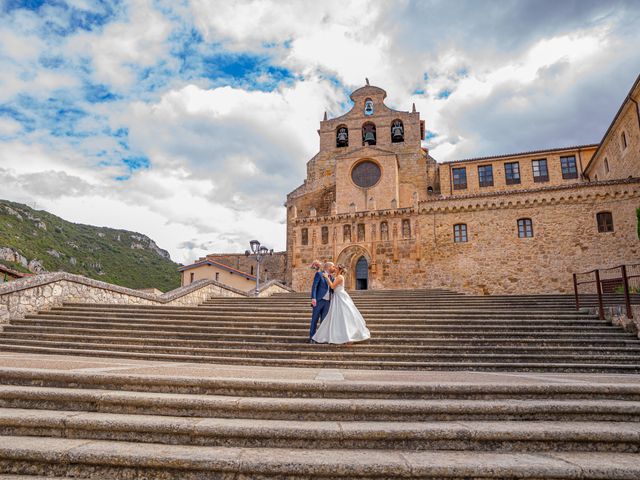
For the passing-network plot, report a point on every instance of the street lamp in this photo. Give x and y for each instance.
(259, 251)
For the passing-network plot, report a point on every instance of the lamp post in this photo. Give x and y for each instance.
(259, 251)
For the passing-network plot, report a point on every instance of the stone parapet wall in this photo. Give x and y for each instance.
(42, 292)
(272, 287)
(618, 316)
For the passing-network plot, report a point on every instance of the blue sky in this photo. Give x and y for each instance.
(191, 120)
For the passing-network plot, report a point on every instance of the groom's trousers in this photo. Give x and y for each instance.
(318, 313)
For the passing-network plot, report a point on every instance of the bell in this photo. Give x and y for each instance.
(369, 137)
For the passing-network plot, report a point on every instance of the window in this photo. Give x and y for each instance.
(512, 173)
(460, 233)
(346, 233)
(569, 168)
(366, 174)
(384, 231)
(342, 136)
(525, 228)
(305, 236)
(459, 178)
(406, 228)
(217, 276)
(606, 165)
(540, 170)
(397, 131)
(605, 222)
(485, 175)
(368, 134)
(251, 269)
(623, 137)
(361, 232)
(325, 235)
(191, 277)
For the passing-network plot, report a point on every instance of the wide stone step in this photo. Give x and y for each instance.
(580, 339)
(337, 353)
(275, 328)
(315, 409)
(287, 320)
(542, 389)
(520, 436)
(305, 347)
(608, 365)
(108, 460)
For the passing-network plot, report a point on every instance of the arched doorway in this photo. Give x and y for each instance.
(362, 274)
(351, 257)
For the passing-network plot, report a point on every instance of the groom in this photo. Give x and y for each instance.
(320, 296)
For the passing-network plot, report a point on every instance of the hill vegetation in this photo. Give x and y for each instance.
(37, 241)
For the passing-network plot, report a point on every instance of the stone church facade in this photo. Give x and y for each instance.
(375, 200)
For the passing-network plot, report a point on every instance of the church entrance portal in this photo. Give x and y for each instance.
(362, 274)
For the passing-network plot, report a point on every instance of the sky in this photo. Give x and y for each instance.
(190, 120)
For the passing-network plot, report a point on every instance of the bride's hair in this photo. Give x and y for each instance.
(342, 267)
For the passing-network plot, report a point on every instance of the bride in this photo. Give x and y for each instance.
(343, 323)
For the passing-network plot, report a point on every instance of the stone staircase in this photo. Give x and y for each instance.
(414, 329)
(450, 387)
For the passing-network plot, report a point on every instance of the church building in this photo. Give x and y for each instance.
(375, 200)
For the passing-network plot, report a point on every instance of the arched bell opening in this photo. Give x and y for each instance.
(368, 134)
(397, 131)
(342, 136)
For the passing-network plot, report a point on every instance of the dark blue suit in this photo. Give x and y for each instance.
(319, 289)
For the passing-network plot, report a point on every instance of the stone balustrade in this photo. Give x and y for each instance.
(42, 292)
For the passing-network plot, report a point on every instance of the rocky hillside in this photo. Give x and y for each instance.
(36, 241)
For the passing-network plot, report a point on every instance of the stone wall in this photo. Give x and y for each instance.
(494, 260)
(582, 156)
(618, 316)
(42, 292)
(274, 267)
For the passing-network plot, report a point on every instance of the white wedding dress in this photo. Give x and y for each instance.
(343, 323)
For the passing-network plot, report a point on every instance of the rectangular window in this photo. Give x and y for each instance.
(605, 222)
(325, 235)
(512, 173)
(569, 167)
(191, 277)
(361, 232)
(485, 175)
(217, 276)
(624, 140)
(459, 178)
(525, 228)
(540, 170)
(460, 233)
(305, 236)
(346, 233)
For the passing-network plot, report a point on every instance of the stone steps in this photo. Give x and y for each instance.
(100, 459)
(317, 409)
(472, 346)
(514, 436)
(605, 364)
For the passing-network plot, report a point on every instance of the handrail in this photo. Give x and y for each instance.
(623, 278)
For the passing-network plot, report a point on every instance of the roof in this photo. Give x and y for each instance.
(219, 265)
(615, 119)
(11, 271)
(522, 154)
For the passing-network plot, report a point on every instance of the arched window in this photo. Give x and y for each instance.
(397, 131)
(384, 231)
(325, 235)
(429, 189)
(342, 136)
(460, 233)
(346, 233)
(368, 134)
(406, 228)
(605, 222)
(525, 228)
(361, 232)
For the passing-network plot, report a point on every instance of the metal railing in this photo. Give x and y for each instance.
(613, 286)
